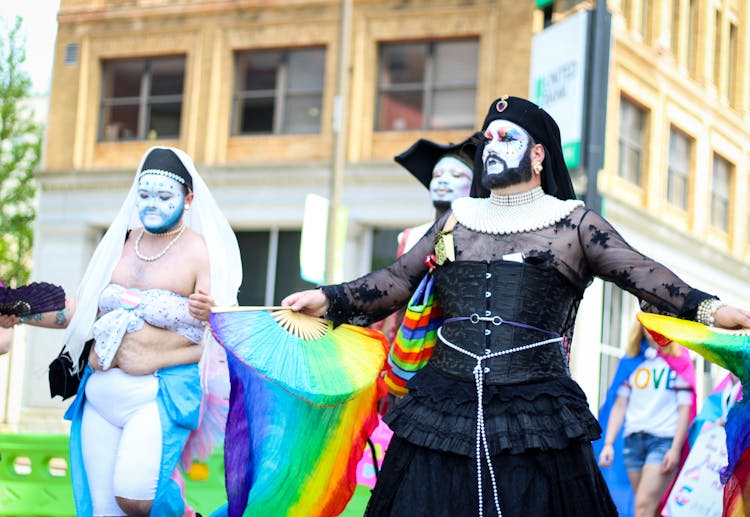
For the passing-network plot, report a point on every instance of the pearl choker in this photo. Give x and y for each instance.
(517, 199)
(162, 252)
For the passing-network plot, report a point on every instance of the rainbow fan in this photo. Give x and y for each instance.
(301, 409)
(729, 349)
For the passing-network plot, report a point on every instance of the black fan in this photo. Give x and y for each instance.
(34, 298)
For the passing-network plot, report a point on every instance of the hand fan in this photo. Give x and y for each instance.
(304, 355)
(34, 298)
(303, 402)
(729, 349)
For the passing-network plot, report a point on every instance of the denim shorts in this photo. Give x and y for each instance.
(641, 448)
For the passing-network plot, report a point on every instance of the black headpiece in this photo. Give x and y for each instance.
(166, 163)
(423, 155)
(544, 130)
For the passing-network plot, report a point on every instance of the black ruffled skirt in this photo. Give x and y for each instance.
(539, 437)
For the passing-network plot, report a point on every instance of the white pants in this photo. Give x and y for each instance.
(121, 438)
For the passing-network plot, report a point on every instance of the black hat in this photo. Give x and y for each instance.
(544, 130)
(420, 159)
(166, 163)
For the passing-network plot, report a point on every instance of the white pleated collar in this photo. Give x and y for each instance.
(516, 213)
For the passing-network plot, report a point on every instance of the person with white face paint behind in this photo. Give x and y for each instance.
(445, 170)
(143, 399)
(494, 424)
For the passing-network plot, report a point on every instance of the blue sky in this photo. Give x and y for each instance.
(39, 27)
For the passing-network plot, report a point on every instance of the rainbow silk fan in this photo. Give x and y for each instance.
(34, 298)
(729, 349)
(303, 402)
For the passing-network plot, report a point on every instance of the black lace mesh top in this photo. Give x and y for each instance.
(530, 399)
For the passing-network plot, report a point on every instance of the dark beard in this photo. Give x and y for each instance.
(441, 205)
(509, 177)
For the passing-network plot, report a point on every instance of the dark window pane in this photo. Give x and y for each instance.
(258, 70)
(399, 111)
(167, 76)
(288, 278)
(165, 120)
(403, 63)
(254, 255)
(257, 116)
(123, 79)
(120, 123)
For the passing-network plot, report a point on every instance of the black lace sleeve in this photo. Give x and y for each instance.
(374, 296)
(613, 259)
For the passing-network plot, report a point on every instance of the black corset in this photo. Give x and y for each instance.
(516, 292)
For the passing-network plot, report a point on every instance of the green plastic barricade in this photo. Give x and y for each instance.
(35, 479)
(34, 476)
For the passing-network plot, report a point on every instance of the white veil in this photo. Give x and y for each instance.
(204, 217)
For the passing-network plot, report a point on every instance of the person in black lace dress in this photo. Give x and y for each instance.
(494, 424)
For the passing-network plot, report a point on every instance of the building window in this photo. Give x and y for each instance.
(717, 49)
(631, 142)
(732, 66)
(646, 19)
(720, 189)
(693, 42)
(142, 99)
(678, 172)
(270, 266)
(278, 91)
(427, 85)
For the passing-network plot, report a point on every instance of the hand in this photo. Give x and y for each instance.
(8, 321)
(607, 455)
(729, 317)
(199, 305)
(671, 461)
(313, 302)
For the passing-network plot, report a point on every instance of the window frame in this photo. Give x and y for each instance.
(281, 93)
(144, 101)
(427, 88)
(725, 199)
(675, 169)
(627, 143)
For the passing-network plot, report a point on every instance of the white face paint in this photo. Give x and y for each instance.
(161, 201)
(451, 179)
(505, 148)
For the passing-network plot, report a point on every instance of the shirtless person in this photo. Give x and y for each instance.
(145, 304)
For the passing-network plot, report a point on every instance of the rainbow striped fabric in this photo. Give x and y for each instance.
(729, 349)
(300, 414)
(415, 339)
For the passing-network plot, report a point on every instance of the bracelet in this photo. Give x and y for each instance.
(707, 309)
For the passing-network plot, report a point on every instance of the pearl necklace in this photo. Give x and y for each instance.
(166, 248)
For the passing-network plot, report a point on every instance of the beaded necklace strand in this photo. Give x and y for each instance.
(162, 252)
